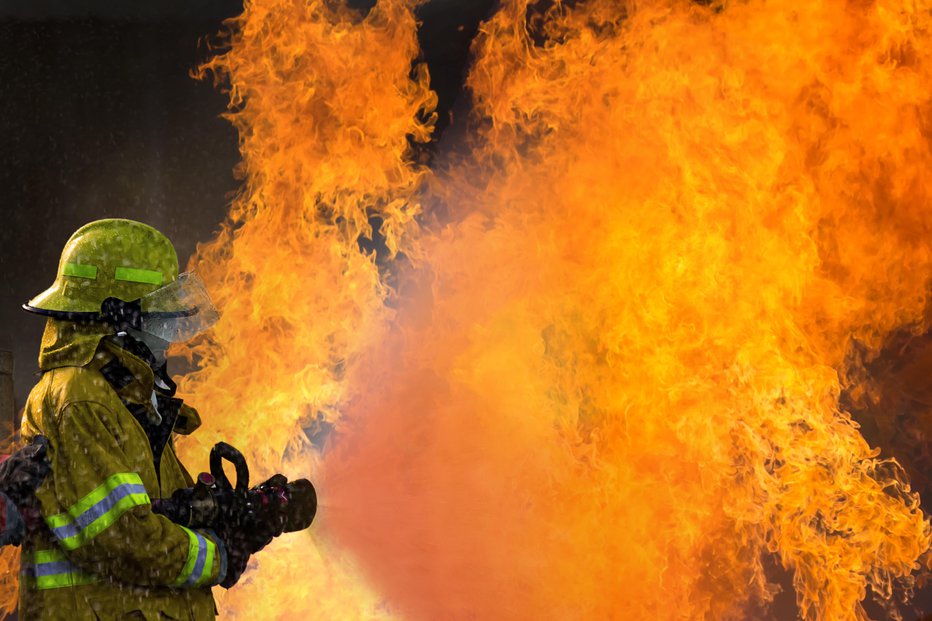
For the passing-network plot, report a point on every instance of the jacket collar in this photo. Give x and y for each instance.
(72, 344)
(129, 375)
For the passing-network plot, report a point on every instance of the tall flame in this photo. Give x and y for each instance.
(597, 374)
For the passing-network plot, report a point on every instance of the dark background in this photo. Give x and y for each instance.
(99, 117)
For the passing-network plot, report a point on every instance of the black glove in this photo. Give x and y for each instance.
(20, 474)
(237, 547)
(24, 471)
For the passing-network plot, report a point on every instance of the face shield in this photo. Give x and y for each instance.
(178, 311)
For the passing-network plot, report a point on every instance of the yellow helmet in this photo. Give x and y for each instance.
(126, 273)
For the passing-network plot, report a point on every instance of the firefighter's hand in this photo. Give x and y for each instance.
(24, 471)
(238, 552)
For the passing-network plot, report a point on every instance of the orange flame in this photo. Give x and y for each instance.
(604, 382)
(9, 581)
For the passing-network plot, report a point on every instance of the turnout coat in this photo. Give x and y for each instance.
(105, 554)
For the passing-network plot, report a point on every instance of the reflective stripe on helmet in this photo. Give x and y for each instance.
(94, 513)
(80, 271)
(200, 563)
(51, 569)
(133, 274)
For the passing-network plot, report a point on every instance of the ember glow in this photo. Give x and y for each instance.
(597, 374)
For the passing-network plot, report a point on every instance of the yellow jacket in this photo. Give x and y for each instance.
(105, 555)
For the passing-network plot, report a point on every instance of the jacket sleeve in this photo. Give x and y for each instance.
(99, 511)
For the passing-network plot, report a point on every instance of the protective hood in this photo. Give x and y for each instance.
(70, 344)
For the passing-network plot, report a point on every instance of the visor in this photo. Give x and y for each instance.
(178, 311)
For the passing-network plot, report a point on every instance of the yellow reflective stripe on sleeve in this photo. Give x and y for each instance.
(51, 569)
(97, 511)
(199, 564)
(189, 560)
(80, 271)
(134, 274)
(208, 563)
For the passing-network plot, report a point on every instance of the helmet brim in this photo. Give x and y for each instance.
(61, 314)
(55, 299)
(176, 312)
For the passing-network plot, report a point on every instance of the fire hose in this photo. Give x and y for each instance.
(248, 517)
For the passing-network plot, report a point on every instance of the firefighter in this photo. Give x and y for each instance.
(106, 404)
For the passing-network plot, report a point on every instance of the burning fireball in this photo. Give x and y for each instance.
(593, 370)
